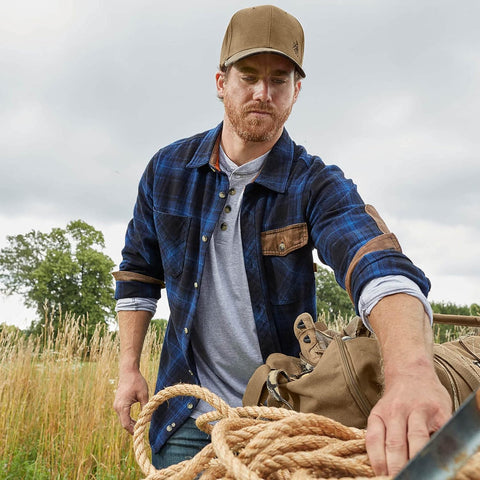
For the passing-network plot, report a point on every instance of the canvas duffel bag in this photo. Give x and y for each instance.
(339, 374)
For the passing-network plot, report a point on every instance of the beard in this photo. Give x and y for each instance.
(252, 128)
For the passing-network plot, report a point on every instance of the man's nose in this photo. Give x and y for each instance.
(262, 91)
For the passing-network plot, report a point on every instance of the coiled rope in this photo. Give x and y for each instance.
(263, 443)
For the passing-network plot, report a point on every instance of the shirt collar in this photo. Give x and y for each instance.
(276, 169)
(207, 151)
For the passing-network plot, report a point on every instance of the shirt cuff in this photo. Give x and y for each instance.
(381, 287)
(136, 303)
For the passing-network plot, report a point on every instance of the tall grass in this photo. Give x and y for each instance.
(56, 395)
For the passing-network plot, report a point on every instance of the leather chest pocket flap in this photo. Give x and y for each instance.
(282, 241)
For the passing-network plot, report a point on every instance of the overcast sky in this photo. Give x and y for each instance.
(90, 90)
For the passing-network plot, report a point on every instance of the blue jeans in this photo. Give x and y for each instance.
(184, 444)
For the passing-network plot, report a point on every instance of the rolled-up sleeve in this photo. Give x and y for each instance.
(352, 239)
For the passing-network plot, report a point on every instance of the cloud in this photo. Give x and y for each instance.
(90, 91)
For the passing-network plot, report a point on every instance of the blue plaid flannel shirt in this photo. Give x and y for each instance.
(296, 204)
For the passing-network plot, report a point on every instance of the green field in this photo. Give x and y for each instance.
(56, 396)
(56, 415)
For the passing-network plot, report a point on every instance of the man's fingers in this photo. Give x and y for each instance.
(396, 444)
(375, 443)
(401, 441)
(418, 433)
(386, 442)
(132, 388)
(127, 422)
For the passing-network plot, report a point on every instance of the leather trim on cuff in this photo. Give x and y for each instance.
(124, 276)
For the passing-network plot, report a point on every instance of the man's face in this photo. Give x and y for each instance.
(258, 94)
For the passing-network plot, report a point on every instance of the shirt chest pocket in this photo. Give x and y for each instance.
(282, 241)
(172, 234)
(288, 262)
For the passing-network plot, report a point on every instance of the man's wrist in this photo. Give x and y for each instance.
(421, 364)
(129, 365)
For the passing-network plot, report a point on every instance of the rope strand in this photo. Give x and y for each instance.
(263, 443)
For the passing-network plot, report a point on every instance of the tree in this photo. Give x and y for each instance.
(331, 298)
(450, 308)
(62, 269)
(444, 332)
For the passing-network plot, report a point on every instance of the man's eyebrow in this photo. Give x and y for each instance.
(281, 73)
(246, 69)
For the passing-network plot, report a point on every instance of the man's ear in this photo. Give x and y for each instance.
(298, 87)
(220, 83)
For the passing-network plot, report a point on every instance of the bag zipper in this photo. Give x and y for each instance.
(354, 388)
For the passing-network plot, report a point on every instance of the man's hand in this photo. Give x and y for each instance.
(411, 409)
(415, 404)
(132, 388)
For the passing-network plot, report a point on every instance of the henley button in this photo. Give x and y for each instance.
(228, 208)
(223, 226)
(232, 191)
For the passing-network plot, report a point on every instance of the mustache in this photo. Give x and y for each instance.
(258, 107)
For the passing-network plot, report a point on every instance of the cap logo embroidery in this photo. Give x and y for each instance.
(295, 47)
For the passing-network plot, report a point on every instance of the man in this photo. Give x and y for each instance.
(227, 221)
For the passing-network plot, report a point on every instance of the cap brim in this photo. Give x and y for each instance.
(254, 51)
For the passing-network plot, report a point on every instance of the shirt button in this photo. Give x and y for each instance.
(169, 428)
(204, 238)
(195, 285)
(222, 194)
(281, 247)
(190, 406)
(232, 191)
(190, 372)
(228, 209)
(185, 330)
(223, 226)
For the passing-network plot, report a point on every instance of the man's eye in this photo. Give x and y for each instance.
(279, 81)
(249, 78)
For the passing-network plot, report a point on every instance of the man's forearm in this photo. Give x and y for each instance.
(414, 403)
(404, 334)
(132, 327)
(132, 387)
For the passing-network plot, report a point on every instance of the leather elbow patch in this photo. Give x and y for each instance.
(386, 241)
(372, 211)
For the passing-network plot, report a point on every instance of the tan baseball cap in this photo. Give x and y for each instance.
(263, 29)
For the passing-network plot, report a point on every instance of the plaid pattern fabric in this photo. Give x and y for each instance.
(180, 197)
